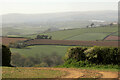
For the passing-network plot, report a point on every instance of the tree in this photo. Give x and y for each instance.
(92, 24)
(43, 37)
(50, 37)
(6, 56)
(111, 24)
(87, 26)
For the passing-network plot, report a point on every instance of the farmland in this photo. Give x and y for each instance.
(87, 34)
(97, 33)
(7, 41)
(41, 50)
(60, 47)
(112, 38)
(72, 42)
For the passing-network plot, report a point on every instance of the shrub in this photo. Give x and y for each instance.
(87, 57)
(76, 53)
(103, 55)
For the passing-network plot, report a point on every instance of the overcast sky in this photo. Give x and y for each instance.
(51, 6)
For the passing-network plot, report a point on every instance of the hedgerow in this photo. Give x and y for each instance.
(82, 56)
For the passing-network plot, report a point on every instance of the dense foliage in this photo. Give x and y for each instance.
(82, 57)
(103, 55)
(76, 53)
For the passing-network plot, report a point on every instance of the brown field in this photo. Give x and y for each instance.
(112, 38)
(7, 41)
(72, 42)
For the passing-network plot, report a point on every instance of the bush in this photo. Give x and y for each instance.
(75, 63)
(81, 56)
(76, 53)
(103, 55)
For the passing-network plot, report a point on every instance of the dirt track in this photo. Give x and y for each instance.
(83, 73)
(109, 74)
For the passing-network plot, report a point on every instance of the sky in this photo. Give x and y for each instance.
(53, 6)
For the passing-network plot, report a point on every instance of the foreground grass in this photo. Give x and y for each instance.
(25, 72)
(41, 50)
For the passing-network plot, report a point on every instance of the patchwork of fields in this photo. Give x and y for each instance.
(62, 40)
(81, 33)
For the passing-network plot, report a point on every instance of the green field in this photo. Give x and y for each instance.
(89, 36)
(77, 34)
(116, 34)
(26, 30)
(25, 72)
(41, 50)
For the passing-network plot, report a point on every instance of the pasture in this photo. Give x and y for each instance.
(41, 50)
(89, 36)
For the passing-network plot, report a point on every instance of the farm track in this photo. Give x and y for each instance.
(84, 73)
(72, 42)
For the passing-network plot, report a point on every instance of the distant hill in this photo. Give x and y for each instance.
(57, 17)
(23, 24)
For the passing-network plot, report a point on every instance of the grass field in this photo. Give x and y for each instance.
(41, 50)
(116, 34)
(25, 72)
(16, 32)
(89, 36)
(95, 33)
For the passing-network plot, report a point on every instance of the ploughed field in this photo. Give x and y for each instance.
(7, 40)
(113, 38)
(72, 42)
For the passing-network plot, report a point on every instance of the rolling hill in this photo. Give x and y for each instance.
(89, 34)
